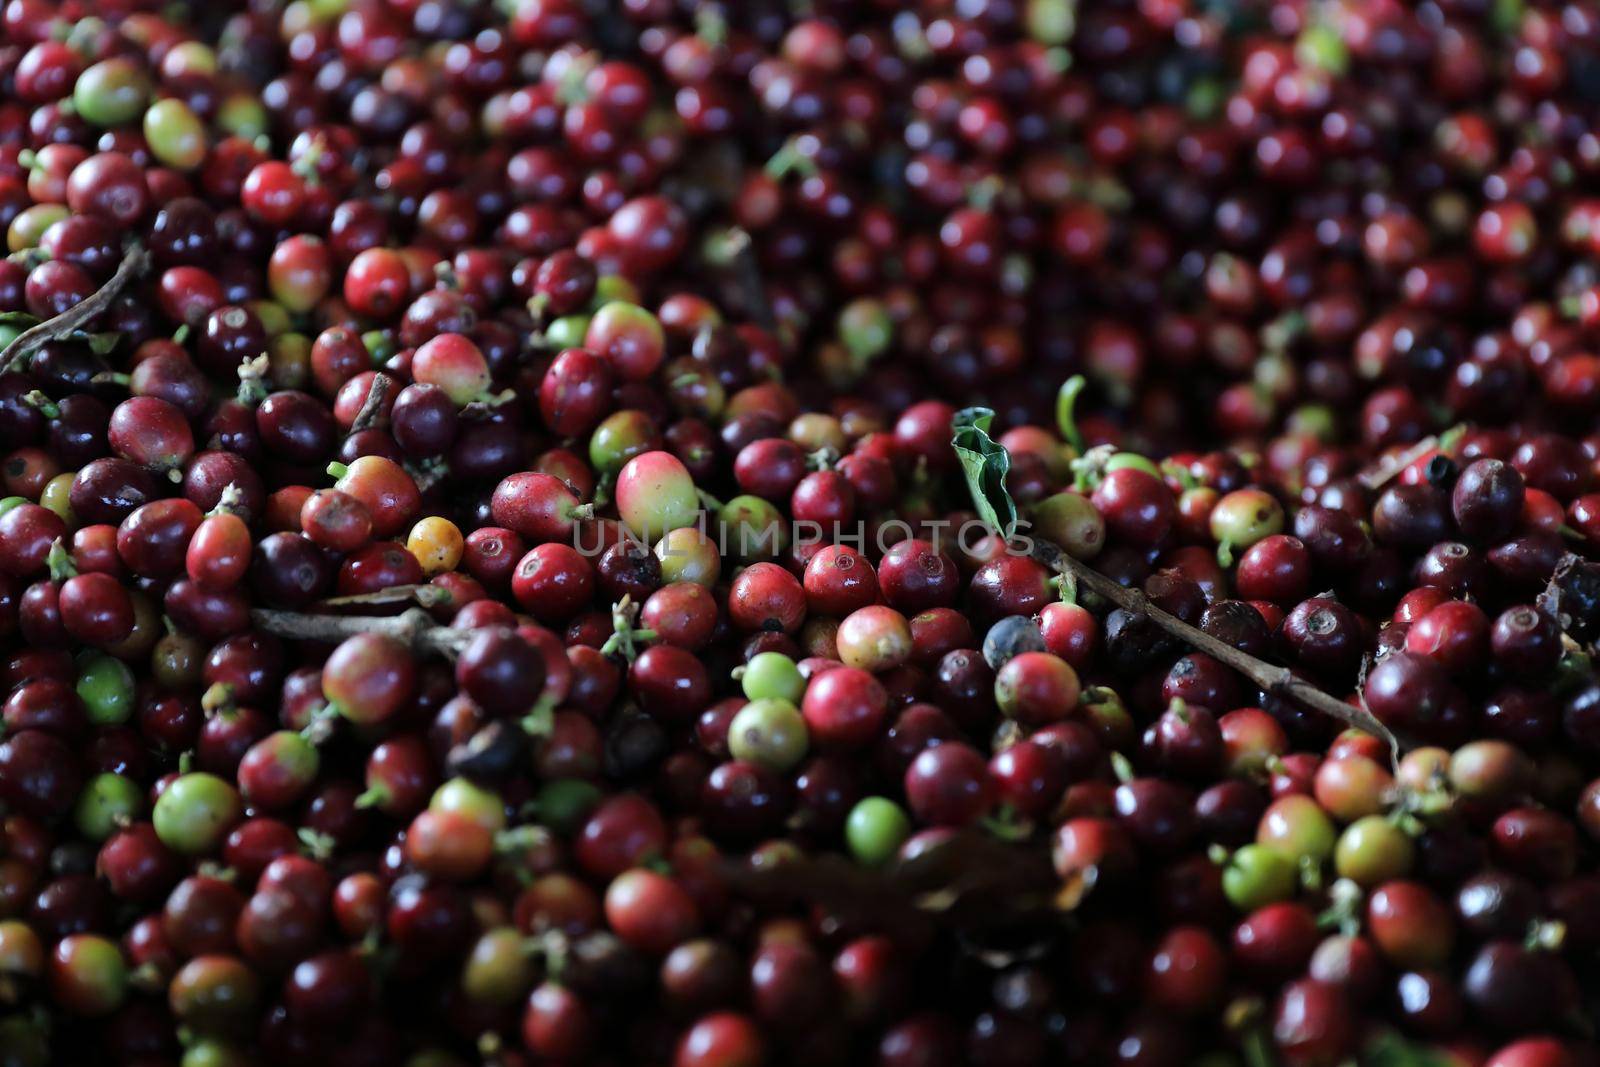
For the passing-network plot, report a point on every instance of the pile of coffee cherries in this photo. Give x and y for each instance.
(913, 533)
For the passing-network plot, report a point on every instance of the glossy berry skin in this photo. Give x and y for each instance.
(501, 671)
(454, 364)
(765, 597)
(538, 507)
(1275, 941)
(915, 576)
(1029, 777)
(1487, 500)
(219, 552)
(1187, 971)
(1313, 1024)
(1138, 508)
(575, 392)
(195, 812)
(839, 580)
(451, 326)
(948, 785)
(95, 609)
(1409, 924)
(151, 432)
(88, 975)
(1070, 632)
(368, 678)
(386, 489)
(1008, 585)
(1036, 688)
(722, 1039)
(1455, 634)
(1518, 989)
(1412, 695)
(649, 911)
(844, 708)
(655, 494)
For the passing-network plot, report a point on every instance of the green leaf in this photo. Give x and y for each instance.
(101, 344)
(1391, 1050)
(1066, 420)
(20, 319)
(985, 464)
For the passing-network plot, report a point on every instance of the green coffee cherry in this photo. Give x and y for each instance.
(105, 685)
(562, 805)
(567, 332)
(1297, 826)
(771, 733)
(772, 675)
(866, 329)
(875, 829)
(195, 813)
(175, 134)
(1373, 850)
(1071, 521)
(1257, 875)
(111, 92)
(107, 803)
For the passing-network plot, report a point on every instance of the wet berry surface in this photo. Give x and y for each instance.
(955, 533)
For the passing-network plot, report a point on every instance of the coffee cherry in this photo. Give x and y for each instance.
(875, 829)
(195, 812)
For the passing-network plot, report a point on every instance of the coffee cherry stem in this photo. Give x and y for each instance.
(317, 846)
(134, 262)
(217, 699)
(42, 404)
(320, 729)
(1269, 677)
(231, 502)
(252, 380)
(974, 878)
(625, 638)
(1343, 913)
(60, 562)
(541, 720)
(374, 796)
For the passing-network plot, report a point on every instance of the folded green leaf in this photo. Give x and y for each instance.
(985, 464)
(20, 319)
(101, 344)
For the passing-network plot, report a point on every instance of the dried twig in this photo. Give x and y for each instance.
(1270, 677)
(971, 881)
(427, 596)
(1388, 470)
(414, 628)
(134, 262)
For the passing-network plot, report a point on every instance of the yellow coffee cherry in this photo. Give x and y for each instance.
(436, 543)
(55, 497)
